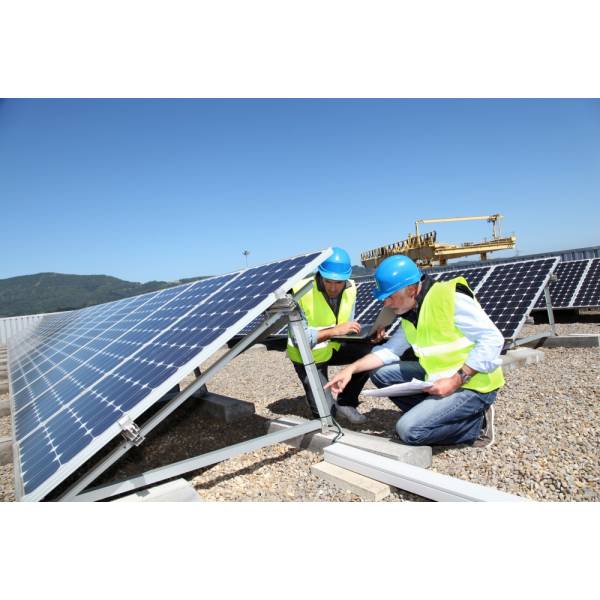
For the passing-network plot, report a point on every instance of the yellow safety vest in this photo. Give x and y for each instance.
(319, 315)
(440, 346)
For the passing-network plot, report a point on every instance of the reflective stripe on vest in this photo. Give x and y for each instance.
(440, 346)
(319, 315)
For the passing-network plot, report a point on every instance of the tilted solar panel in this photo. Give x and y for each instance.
(588, 295)
(562, 291)
(511, 290)
(474, 276)
(77, 374)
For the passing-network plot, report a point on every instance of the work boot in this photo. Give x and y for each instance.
(486, 437)
(350, 414)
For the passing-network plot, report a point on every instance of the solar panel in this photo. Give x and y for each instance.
(510, 291)
(588, 295)
(577, 285)
(473, 276)
(568, 277)
(76, 375)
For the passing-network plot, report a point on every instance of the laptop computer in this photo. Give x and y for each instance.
(384, 319)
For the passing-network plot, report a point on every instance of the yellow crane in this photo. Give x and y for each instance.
(426, 251)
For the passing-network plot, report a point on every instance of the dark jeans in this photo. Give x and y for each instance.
(348, 353)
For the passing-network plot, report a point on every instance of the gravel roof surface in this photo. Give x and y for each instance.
(547, 433)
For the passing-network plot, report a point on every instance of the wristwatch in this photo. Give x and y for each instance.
(464, 376)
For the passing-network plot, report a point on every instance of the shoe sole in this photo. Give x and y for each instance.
(493, 429)
(340, 415)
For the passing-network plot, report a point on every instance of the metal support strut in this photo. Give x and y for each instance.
(323, 399)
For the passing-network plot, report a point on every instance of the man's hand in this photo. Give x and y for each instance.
(378, 336)
(346, 328)
(445, 386)
(340, 380)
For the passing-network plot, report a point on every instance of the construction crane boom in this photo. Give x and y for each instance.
(426, 250)
(493, 219)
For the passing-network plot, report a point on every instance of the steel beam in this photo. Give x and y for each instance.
(192, 464)
(416, 480)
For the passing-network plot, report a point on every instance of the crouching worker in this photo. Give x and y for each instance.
(328, 311)
(458, 350)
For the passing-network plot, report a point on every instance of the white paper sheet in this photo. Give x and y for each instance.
(416, 386)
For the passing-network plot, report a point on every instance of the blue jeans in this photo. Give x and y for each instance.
(434, 420)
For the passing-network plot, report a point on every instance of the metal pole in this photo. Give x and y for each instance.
(192, 464)
(323, 399)
(549, 309)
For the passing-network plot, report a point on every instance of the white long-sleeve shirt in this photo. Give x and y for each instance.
(475, 325)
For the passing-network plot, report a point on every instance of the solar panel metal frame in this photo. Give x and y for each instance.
(114, 430)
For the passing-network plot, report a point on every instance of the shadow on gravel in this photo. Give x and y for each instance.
(296, 406)
(245, 471)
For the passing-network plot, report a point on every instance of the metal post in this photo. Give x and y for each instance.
(549, 309)
(323, 399)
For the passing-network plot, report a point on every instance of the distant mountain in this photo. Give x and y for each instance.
(358, 271)
(50, 292)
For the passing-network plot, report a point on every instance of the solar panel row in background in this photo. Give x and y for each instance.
(77, 374)
(507, 292)
(577, 285)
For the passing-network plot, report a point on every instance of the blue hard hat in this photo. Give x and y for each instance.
(393, 274)
(337, 266)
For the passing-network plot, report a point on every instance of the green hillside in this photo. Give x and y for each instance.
(50, 292)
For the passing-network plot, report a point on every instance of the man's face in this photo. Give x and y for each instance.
(333, 288)
(403, 300)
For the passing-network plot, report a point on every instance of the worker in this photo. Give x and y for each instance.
(458, 350)
(328, 310)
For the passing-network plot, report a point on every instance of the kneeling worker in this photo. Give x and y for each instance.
(458, 350)
(328, 309)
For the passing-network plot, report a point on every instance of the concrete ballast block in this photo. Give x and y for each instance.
(362, 486)
(179, 490)
(575, 340)
(520, 357)
(225, 408)
(419, 456)
(3, 387)
(6, 451)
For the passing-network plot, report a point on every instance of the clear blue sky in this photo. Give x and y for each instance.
(163, 189)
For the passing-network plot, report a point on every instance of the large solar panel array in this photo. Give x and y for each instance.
(577, 285)
(77, 374)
